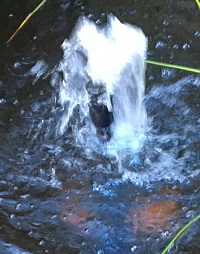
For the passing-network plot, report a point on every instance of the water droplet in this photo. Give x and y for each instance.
(165, 23)
(98, 22)
(16, 65)
(106, 234)
(186, 46)
(32, 206)
(175, 46)
(54, 216)
(12, 216)
(25, 196)
(18, 206)
(16, 102)
(103, 14)
(167, 73)
(90, 16)
(197, 34)
(100, 252)
(160, 44)
(42, 243)
(164, 234)
(22, 111)
(190, 214)
(2, 101)
(151, 77)
(133, 248)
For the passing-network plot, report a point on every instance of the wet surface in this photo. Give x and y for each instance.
(57, 197)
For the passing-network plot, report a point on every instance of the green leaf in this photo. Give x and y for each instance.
(180, 67)
(198, 3)
(180, 233)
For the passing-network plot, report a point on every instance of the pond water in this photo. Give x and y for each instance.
(59, 196)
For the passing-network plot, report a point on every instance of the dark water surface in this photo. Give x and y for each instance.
(55, 197)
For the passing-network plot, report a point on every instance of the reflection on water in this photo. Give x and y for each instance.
(154, 217)
(56, 197)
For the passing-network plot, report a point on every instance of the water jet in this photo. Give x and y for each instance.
(103, 72)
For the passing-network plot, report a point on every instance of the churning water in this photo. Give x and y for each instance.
(108, 63)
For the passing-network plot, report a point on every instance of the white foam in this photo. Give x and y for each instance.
(115, 57)
(111, 48)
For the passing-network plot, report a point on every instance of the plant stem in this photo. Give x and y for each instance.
(180, 67)
(26, 19)
(180, 233)
(198, 3)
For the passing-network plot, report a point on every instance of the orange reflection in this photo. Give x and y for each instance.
(77, 216)
(153, 217)
(80, 216)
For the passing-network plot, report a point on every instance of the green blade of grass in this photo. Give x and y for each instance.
(180, 67)
(198, 3)
(26, 19)
(180, 233)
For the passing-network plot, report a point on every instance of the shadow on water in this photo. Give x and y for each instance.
(56, 197)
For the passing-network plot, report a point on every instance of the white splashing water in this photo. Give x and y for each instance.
(113, 56)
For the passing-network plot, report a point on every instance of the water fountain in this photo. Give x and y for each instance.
(102, 95)
(103, 76)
